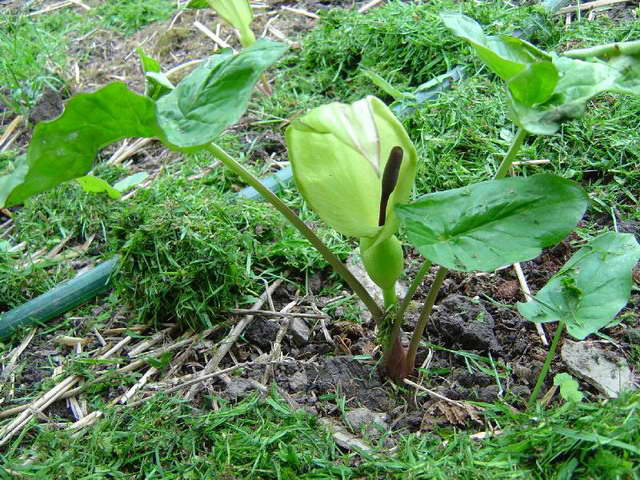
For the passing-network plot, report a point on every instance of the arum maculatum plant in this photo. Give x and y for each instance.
(545, 90)
(355, 166)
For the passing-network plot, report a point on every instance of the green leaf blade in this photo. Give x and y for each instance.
(91, 184)
(592, 287)
(64, 148)
(528, 70)
(569, 388)
(215, 95)
(491, 224)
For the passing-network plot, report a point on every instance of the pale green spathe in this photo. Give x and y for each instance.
(338, 153)
(237, 13)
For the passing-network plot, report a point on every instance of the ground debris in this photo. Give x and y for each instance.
(300, 331)
(466, 322)
(605, 370)
(373, 423)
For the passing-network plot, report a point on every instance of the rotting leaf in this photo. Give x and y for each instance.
(590, 289)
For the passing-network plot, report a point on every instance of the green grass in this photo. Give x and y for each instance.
(33, 50)
(126, 16)
(30, 57)
(263, 438)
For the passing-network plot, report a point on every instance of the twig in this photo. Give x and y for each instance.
(35, 408)
(589, 6)
(205, 171)
(56, 250)
(282, 37)
(216, 39)
(99, 337)
(527, 295)
(437, 395)
(116, 348)
(145, 344)
(189, 383)
(276, 349)
(51, 8)
(13, 357)
(9, 130)
(120, 330)
(86, 420)
(369, 5)
(132, 391)
(233, 336)
(75, 407)
(300, 11)
(126, 151)
(81, 5)
(269, 313)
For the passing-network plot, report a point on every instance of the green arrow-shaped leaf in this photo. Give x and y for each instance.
(528, 71)
(490, 224)
(214, 95)
(592, 287)
(156, 83)
(579, 81)
(64, 148)
(623, 57)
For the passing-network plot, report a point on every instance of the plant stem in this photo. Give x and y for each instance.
(389, 296)
(424, 269)
(402, 308)
(503, 169)
(247, 38)
(318, 244)
(547, 363)
(424, 317)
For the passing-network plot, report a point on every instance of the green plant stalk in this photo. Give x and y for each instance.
(424, 317)
(389, 296)
(247, 38)
(547, 364)
(273, 199)
(402, 308)
(503, 169)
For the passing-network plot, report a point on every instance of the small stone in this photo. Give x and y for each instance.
(605, 370)
(373, 423)
(521, 391)
(262, 332)
(299, 331)
(239, 388)
(489, 394)
(298, 381)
